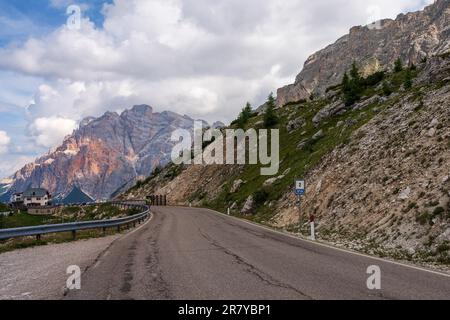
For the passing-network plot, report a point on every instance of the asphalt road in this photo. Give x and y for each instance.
(184, 253)
(39, 273)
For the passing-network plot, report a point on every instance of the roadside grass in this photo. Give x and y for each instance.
(54, 238)
(24, 219)
(68, 214)
(4, 208)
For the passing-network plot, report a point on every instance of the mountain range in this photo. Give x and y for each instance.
(104, 154)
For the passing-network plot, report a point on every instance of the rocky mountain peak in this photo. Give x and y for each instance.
(105, 154)
(411, 37)
(142, 110)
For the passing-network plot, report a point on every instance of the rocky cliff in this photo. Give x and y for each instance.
(105, 154)
(412, 37)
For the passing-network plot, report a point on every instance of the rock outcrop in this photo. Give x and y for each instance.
(412, 37)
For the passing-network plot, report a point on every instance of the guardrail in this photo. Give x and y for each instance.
(38, 231)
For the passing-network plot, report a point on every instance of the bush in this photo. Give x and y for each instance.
(438, 211)
(260, 197)
(423, 218)
(408, 80)
(443, 248)
(387, 90)
(374, 79)
(353, 85)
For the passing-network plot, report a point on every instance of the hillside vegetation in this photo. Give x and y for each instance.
(376, 159)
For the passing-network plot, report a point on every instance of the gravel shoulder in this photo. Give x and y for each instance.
(39, 273)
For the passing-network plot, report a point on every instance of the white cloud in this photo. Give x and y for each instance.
(49, 132)
(198, 57)
(4, 142)
(10, 164)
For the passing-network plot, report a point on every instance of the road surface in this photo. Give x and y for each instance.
(187, 253)
(40, 273)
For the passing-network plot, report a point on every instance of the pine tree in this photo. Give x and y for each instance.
(247, 112)
(398, 66)
(408, 79)
(345, 83)
(244, 116)
(352, 86)
(354, 73)
(270, 118)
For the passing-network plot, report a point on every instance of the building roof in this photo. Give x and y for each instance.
(35, 192)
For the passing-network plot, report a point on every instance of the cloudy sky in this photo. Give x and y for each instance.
(204, 58)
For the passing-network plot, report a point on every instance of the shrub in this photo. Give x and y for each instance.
(438, 211)
(408, 80)
(387, 90)
(443, 248)
(423, 218)
(374, 79)
(260, 197)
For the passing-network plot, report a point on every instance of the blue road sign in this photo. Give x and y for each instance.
(300, 187)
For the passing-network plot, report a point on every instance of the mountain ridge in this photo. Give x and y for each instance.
(103, 154)
(413, 36)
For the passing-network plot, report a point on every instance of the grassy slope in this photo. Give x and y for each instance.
(25, 220)
(70, 214)
(300, 161)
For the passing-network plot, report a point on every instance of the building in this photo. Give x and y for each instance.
(17, 201)
(17, 197)
(37, 197)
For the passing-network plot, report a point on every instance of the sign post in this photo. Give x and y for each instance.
(313, 232)
(300, 190)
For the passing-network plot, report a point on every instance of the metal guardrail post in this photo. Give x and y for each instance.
(38, 231)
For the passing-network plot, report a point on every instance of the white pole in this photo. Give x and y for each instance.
(299, 215)
(313, 232)
(228, 211)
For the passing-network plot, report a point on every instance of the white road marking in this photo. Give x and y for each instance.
(137, 229)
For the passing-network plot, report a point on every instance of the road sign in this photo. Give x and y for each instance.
(300, 187)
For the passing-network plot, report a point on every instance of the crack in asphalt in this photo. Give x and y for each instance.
(128, 274)
(251, 269)
(93, 264)
(153, 277)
